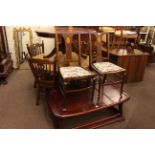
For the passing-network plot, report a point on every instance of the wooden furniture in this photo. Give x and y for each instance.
(102, 68)
(147, 35)
(43, 74)
(147, 41)
(134, 63)
(71, 76)
(5, 57)
(82, 114)
(44, 57)
(79, 104)
(35, 49)
(123, 35)
(60, 29)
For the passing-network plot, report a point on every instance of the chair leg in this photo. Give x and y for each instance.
(38, 95)
(93, 90)
(122, 84)
(103, 82)
(64, 101)
(99, 89)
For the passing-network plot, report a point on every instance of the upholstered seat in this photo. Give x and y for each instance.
(107, 68)
(74, 72)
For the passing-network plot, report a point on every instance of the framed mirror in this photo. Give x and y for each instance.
(22, 36)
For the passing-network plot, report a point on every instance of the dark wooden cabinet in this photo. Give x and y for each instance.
(134, 63)
(5, 57)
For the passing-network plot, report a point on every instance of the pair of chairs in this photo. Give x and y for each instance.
(73, 77)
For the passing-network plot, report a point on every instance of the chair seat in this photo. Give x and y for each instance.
(126, 34)
(74, 72)
(107, 68)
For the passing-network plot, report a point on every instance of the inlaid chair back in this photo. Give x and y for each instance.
(35, 49)
(68, 57)
(72, 76)
(96, 47)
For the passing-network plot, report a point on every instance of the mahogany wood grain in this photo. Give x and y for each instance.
(79, 106)
(134, 63)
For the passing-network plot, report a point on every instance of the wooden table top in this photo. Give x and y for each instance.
(124, 52)
(51, 34)
(80, 104)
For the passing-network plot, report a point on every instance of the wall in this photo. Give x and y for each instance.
(48, 42)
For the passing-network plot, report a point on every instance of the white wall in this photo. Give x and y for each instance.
(48, 42)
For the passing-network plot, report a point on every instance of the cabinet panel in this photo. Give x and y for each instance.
(134, 64)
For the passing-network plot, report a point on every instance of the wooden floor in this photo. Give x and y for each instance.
(82, 113)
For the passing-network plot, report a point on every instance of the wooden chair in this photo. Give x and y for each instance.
(123, 36)
(108, 73)
(35, 49)
(43, 74)
(72, 77)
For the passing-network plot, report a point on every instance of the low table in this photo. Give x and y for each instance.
(82, 114)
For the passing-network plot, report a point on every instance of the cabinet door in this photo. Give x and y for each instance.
(134, 65)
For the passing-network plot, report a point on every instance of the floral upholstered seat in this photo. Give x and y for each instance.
(74, 72)
(107, 67)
